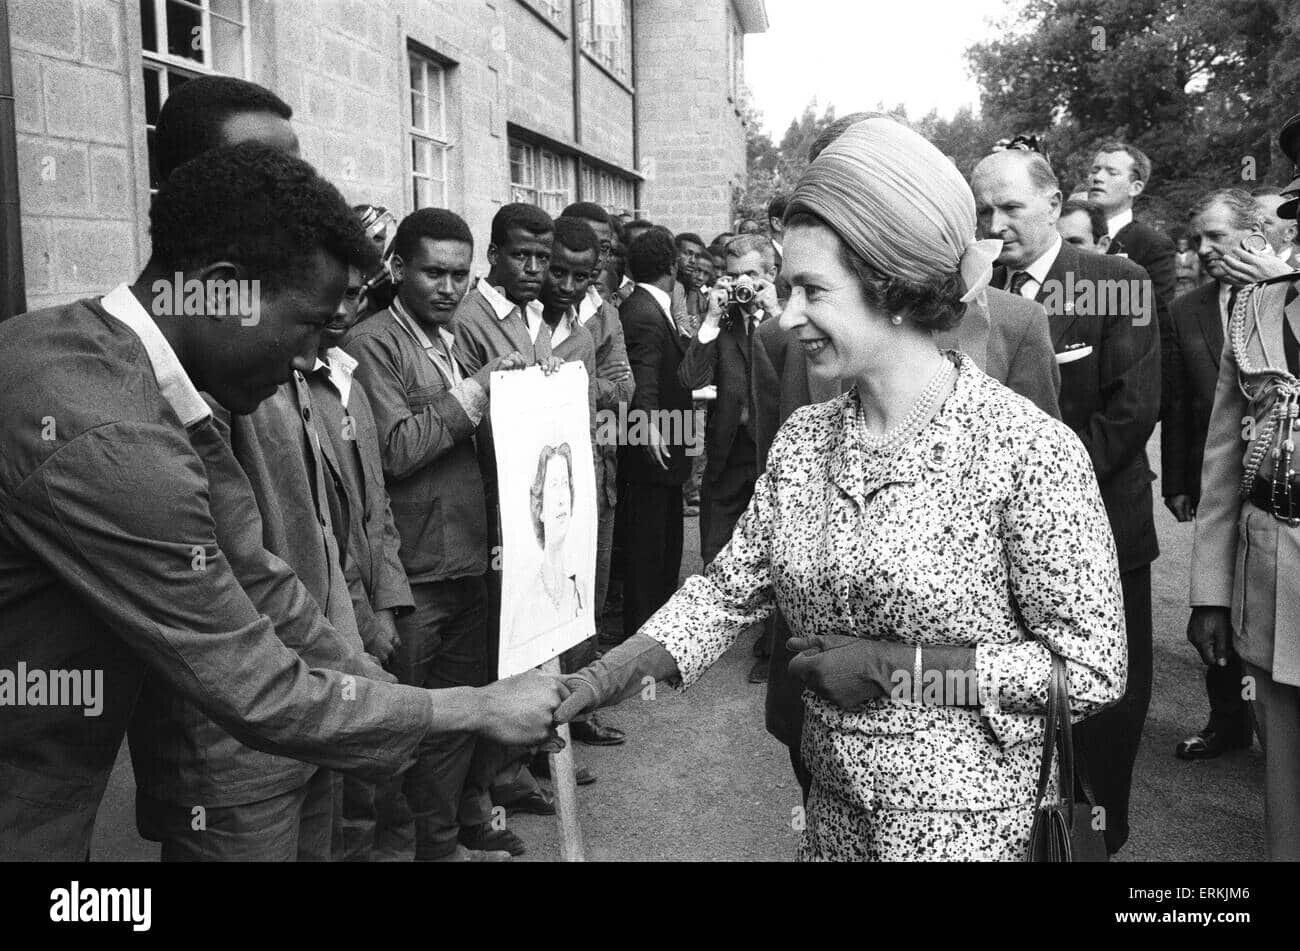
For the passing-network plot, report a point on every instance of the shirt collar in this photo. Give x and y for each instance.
(1119, 221)
(589, 305)
(173, 382)
(502, 306)
(1043, 263)
(414, 328)
(661, 298)
(338, 367)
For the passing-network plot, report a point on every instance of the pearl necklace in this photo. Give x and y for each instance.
(916, 419)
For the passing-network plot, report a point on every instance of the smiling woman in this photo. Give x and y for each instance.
(929, 526)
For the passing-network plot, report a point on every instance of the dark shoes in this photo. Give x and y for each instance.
(541, 768)
(535, 804)
(484, 838)
(1214, 741)
(594, 733)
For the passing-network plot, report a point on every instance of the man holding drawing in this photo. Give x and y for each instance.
(427, 410)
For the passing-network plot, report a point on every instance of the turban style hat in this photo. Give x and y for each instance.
(900, 204)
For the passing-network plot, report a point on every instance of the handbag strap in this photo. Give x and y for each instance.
(1058, 735)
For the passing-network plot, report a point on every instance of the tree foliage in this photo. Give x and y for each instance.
(1202, 86)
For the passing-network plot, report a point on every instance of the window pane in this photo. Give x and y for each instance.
(230, 9)
(419, 111)
(420, 161)
(227, 47)
(184, 31)
(417, 75)
(152, 95)
(148, 26)
(434, 94)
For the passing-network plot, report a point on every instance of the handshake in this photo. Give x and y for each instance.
(524, 710)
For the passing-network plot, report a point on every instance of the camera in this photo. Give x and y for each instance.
(740, 290)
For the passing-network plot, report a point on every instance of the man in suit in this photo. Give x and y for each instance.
(1278, 229)
(1083, 224)
(1120, 173)
(1222, 221)
(724, 355)
(653, 463)
(1106, 338)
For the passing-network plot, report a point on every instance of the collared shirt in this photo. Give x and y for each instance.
(466, 391)
(589, 306)
(560, 332)
(504, 307)
(173, 381)
(1037, 271)
(338, 369)
(1113, 225)
(1225, 292)
(664, 301)
(708, 334)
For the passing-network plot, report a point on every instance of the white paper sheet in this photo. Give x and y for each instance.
(542, 430)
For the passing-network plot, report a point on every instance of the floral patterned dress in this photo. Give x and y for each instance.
(986, 530)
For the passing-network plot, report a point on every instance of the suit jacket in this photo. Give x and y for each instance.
(1243, 558)
(1111, 396)
(1154, 252)
(746, 380)
(655, 350)
(1192, 365)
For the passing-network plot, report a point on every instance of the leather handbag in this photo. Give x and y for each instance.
(1060, 832)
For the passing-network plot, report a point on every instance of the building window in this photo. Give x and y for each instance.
(614, 193)
(557, 11)
(540, 177)
(182, 39)
(428, 132)
(605, 27)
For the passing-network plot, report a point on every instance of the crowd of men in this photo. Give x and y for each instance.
(291, 577)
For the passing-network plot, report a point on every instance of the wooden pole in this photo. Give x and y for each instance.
(566, 788)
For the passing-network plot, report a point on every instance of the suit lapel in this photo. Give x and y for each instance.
(1060, 312)
(1207, 316)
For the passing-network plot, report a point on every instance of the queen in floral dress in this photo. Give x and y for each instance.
(931, 537)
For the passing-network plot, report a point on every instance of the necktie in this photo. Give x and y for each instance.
(1018, 282)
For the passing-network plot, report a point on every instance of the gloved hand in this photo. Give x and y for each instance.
(616, 676)
(849, 671)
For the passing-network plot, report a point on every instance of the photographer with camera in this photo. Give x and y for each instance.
(724, 353)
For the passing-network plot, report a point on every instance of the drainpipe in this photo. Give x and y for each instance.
(636, 119)
(13, 292)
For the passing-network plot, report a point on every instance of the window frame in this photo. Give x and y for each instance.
(551, 175)
(417, 135)
(163, 63)
(590, 46)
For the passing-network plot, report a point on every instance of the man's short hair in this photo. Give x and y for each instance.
(521, 216)
(651, 255)
(258, 207)
(686, 236)
(191, 118)
(744, 244)
(576, 234)
(720, 240)
(1096, 217)
(776, 207)
(587, 211)
(1244, 212)
(838, 128)
(1141, 170)
(436, 224)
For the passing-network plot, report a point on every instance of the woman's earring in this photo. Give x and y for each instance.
(896, 320)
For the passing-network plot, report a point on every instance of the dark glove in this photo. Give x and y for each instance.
(849, 671)
(616, 676)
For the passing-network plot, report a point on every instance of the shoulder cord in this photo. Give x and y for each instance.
(1260, 384)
